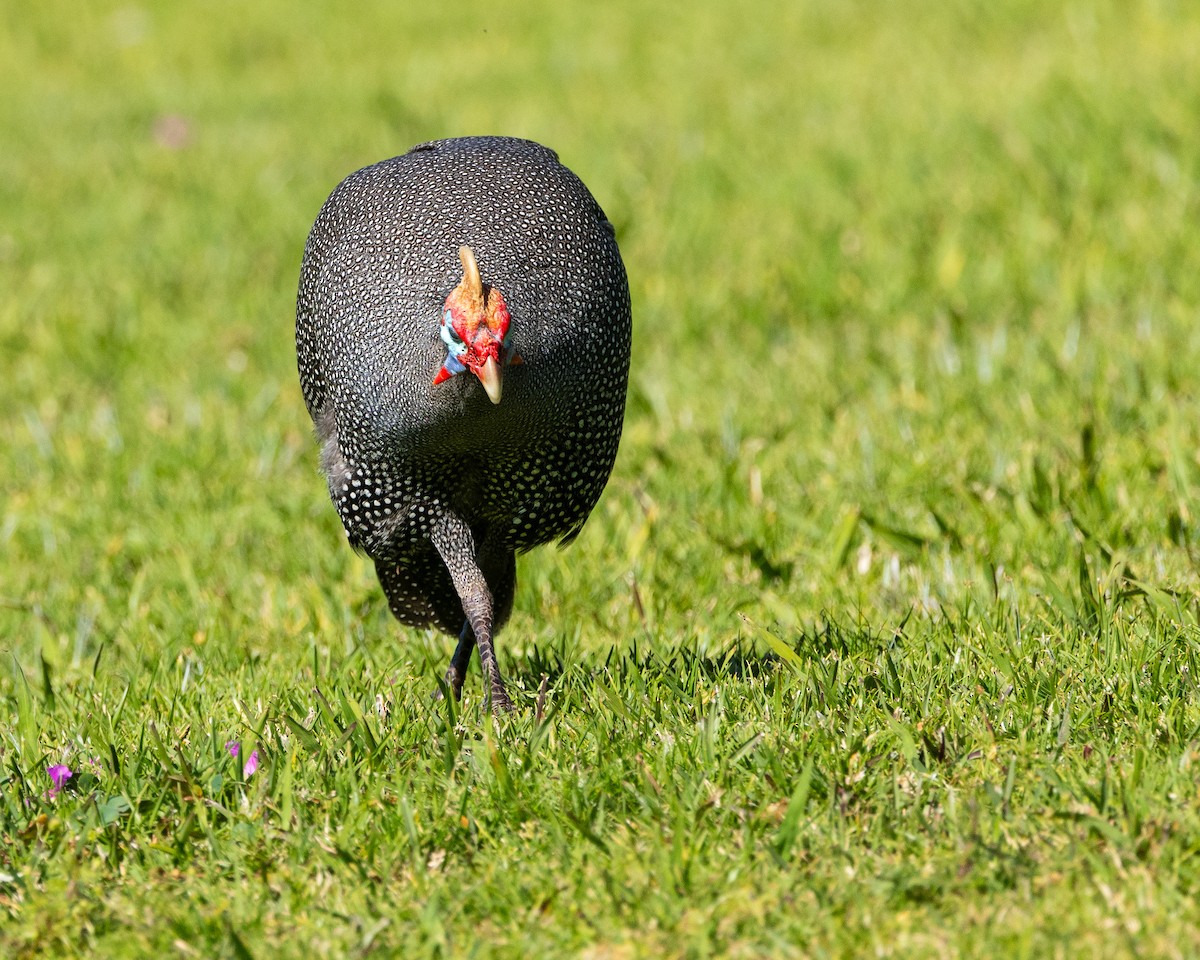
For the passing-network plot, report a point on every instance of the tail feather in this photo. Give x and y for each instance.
(420, 592)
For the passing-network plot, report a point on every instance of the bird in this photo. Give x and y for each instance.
(463, 333)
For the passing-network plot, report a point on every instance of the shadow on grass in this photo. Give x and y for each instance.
(645, 663)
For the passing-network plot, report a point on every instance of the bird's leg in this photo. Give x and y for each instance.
(461, 660)
(487, 653)
(454, 543)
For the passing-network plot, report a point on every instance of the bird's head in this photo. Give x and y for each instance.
(474, 324)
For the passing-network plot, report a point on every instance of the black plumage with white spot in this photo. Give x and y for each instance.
(439, 483)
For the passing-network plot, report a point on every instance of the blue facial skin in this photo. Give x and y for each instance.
(456, 347)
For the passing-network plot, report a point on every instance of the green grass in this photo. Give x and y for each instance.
(884, 638)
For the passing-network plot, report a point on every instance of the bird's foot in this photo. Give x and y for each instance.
(454, 683)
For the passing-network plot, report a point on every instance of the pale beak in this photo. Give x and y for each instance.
(489, 376)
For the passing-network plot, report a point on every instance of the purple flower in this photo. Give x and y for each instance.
(59, 773)
(234, 747)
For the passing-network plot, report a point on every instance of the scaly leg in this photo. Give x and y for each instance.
(454, 543)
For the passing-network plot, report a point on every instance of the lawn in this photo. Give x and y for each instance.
(884, 638)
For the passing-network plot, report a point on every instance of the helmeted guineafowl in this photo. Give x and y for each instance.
(463, 332)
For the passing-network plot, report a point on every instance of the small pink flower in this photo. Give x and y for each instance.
(59, 773)
(234, 747)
